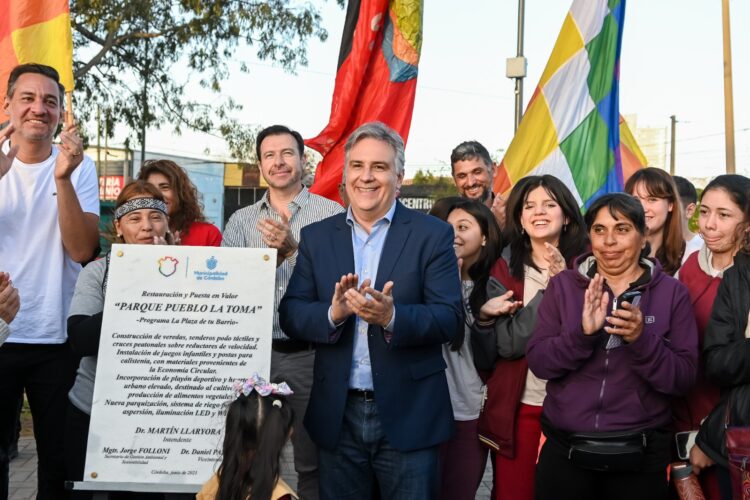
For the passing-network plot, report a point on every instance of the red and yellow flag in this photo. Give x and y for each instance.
(631, 154)
(36, 31)
(376, 80)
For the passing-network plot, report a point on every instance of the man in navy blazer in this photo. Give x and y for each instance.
(377, 290)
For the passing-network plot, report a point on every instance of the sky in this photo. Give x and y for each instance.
(671, 64)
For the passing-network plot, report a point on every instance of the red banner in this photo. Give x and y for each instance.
(376, 80)
(110, 186)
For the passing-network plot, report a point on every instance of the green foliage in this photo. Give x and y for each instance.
(443, 186)
(693, 222)
(126, 51)
(423, 179)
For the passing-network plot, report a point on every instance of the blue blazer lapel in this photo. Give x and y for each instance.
(343, 250)
(394, 245)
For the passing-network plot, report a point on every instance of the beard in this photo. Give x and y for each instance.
(484, 195)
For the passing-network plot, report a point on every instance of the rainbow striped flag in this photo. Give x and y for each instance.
(36, 31)
(630, 153)
(571, 126)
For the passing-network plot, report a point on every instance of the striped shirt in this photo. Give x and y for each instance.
(305, 209)
(4, 331)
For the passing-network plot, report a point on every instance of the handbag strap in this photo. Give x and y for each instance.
(728, 411)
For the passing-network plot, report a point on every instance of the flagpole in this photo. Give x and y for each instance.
(728, 98)
(672, 160)
(519, 54)
(69, 106)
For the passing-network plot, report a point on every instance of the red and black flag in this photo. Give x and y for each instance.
(376, 80)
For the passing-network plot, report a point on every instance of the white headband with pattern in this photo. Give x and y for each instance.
(140, 204)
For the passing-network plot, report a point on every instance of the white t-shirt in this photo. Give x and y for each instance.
(535, 389)
(464, 385)
(31, 248)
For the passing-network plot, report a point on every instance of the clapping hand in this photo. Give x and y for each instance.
(499, 306)
(339, 307)
(595, 302)
(71, 152)
(167, 239)
(377, 310)
(6, 159)
(278, 235)
(10, 302)
(555, 260)
(498, 209)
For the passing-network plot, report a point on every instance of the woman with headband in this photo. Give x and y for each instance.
(140, 219)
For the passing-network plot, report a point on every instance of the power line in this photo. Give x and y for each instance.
(694, 138)
(426, 87)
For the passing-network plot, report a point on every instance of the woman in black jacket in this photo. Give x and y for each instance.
(727, 351)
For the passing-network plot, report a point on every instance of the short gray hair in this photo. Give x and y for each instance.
(381, 132)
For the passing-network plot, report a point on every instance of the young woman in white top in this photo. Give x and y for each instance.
(477, 242)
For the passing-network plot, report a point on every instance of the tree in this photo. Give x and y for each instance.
(126, 51)
(441, 186)
(693, 222)
(423, 179)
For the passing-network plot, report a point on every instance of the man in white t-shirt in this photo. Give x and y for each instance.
(49, 216)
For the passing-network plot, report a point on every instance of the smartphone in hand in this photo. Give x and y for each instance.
(632, 297)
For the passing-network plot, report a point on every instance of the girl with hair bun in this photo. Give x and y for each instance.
(259, 423)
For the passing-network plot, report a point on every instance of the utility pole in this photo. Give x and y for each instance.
(145, 117)
(515, 67)
(126, 167)
(106, 150)
(728, 98)
(673, 119)
(98, 140)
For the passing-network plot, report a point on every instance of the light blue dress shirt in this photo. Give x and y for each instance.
(367, 251)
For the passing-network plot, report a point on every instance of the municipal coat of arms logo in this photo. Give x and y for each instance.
(168, 266)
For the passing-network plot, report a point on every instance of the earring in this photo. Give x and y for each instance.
(119, 235)
(565, 227)
(484, 241)
(522, 231)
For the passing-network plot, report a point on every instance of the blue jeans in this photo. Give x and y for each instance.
(364, 454)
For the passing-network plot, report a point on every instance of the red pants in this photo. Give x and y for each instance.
(462, 463)
(514, 478)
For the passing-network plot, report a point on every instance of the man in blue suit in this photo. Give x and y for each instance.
(377, 290)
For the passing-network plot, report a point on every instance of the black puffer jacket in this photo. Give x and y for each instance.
(727, 354)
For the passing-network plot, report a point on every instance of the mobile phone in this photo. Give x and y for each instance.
(632, 297)
(684, 442)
